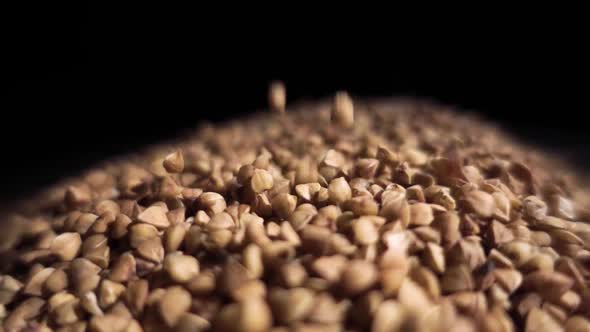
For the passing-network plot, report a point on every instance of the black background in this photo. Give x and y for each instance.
(82, 84)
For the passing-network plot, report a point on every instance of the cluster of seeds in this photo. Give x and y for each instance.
(336, 216)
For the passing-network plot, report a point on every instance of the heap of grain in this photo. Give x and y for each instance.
(339, 216)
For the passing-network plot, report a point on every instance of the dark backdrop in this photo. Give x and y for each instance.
(79, 86)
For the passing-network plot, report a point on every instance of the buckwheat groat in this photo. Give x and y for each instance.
(341, 215)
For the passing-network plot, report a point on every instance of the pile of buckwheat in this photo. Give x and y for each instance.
(332, 216)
